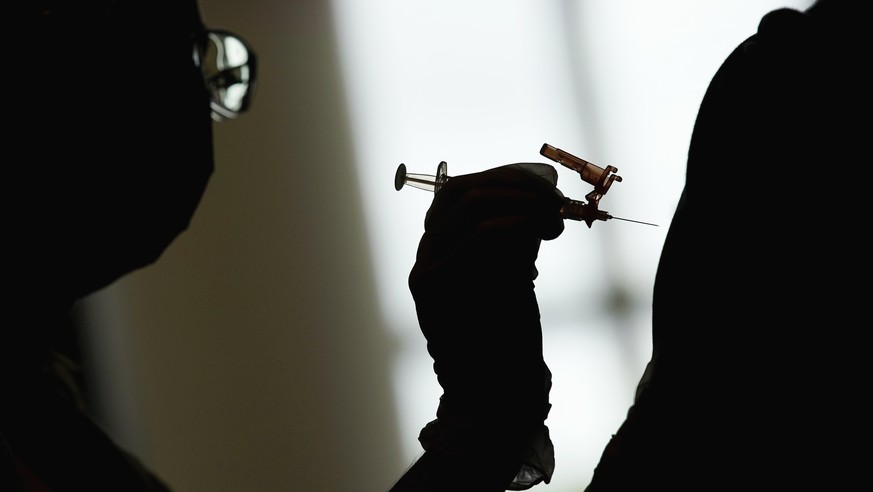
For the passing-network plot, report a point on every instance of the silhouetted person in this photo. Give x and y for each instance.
(756, 379)
(756, 371)
(108, 142)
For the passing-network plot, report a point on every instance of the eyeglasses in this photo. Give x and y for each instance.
(229, 68)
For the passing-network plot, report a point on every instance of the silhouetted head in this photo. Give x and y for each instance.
(111, 140)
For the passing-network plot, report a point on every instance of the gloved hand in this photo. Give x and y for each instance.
(472, 283)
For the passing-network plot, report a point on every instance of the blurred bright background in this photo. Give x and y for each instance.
(275, 346)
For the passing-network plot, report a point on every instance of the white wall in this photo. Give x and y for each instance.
(274, 346)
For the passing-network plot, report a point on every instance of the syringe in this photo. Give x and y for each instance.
(426, 182)
(572, 209)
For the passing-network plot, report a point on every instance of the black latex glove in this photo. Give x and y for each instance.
(474, 294)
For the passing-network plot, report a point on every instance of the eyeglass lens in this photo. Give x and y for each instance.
(228, 69)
